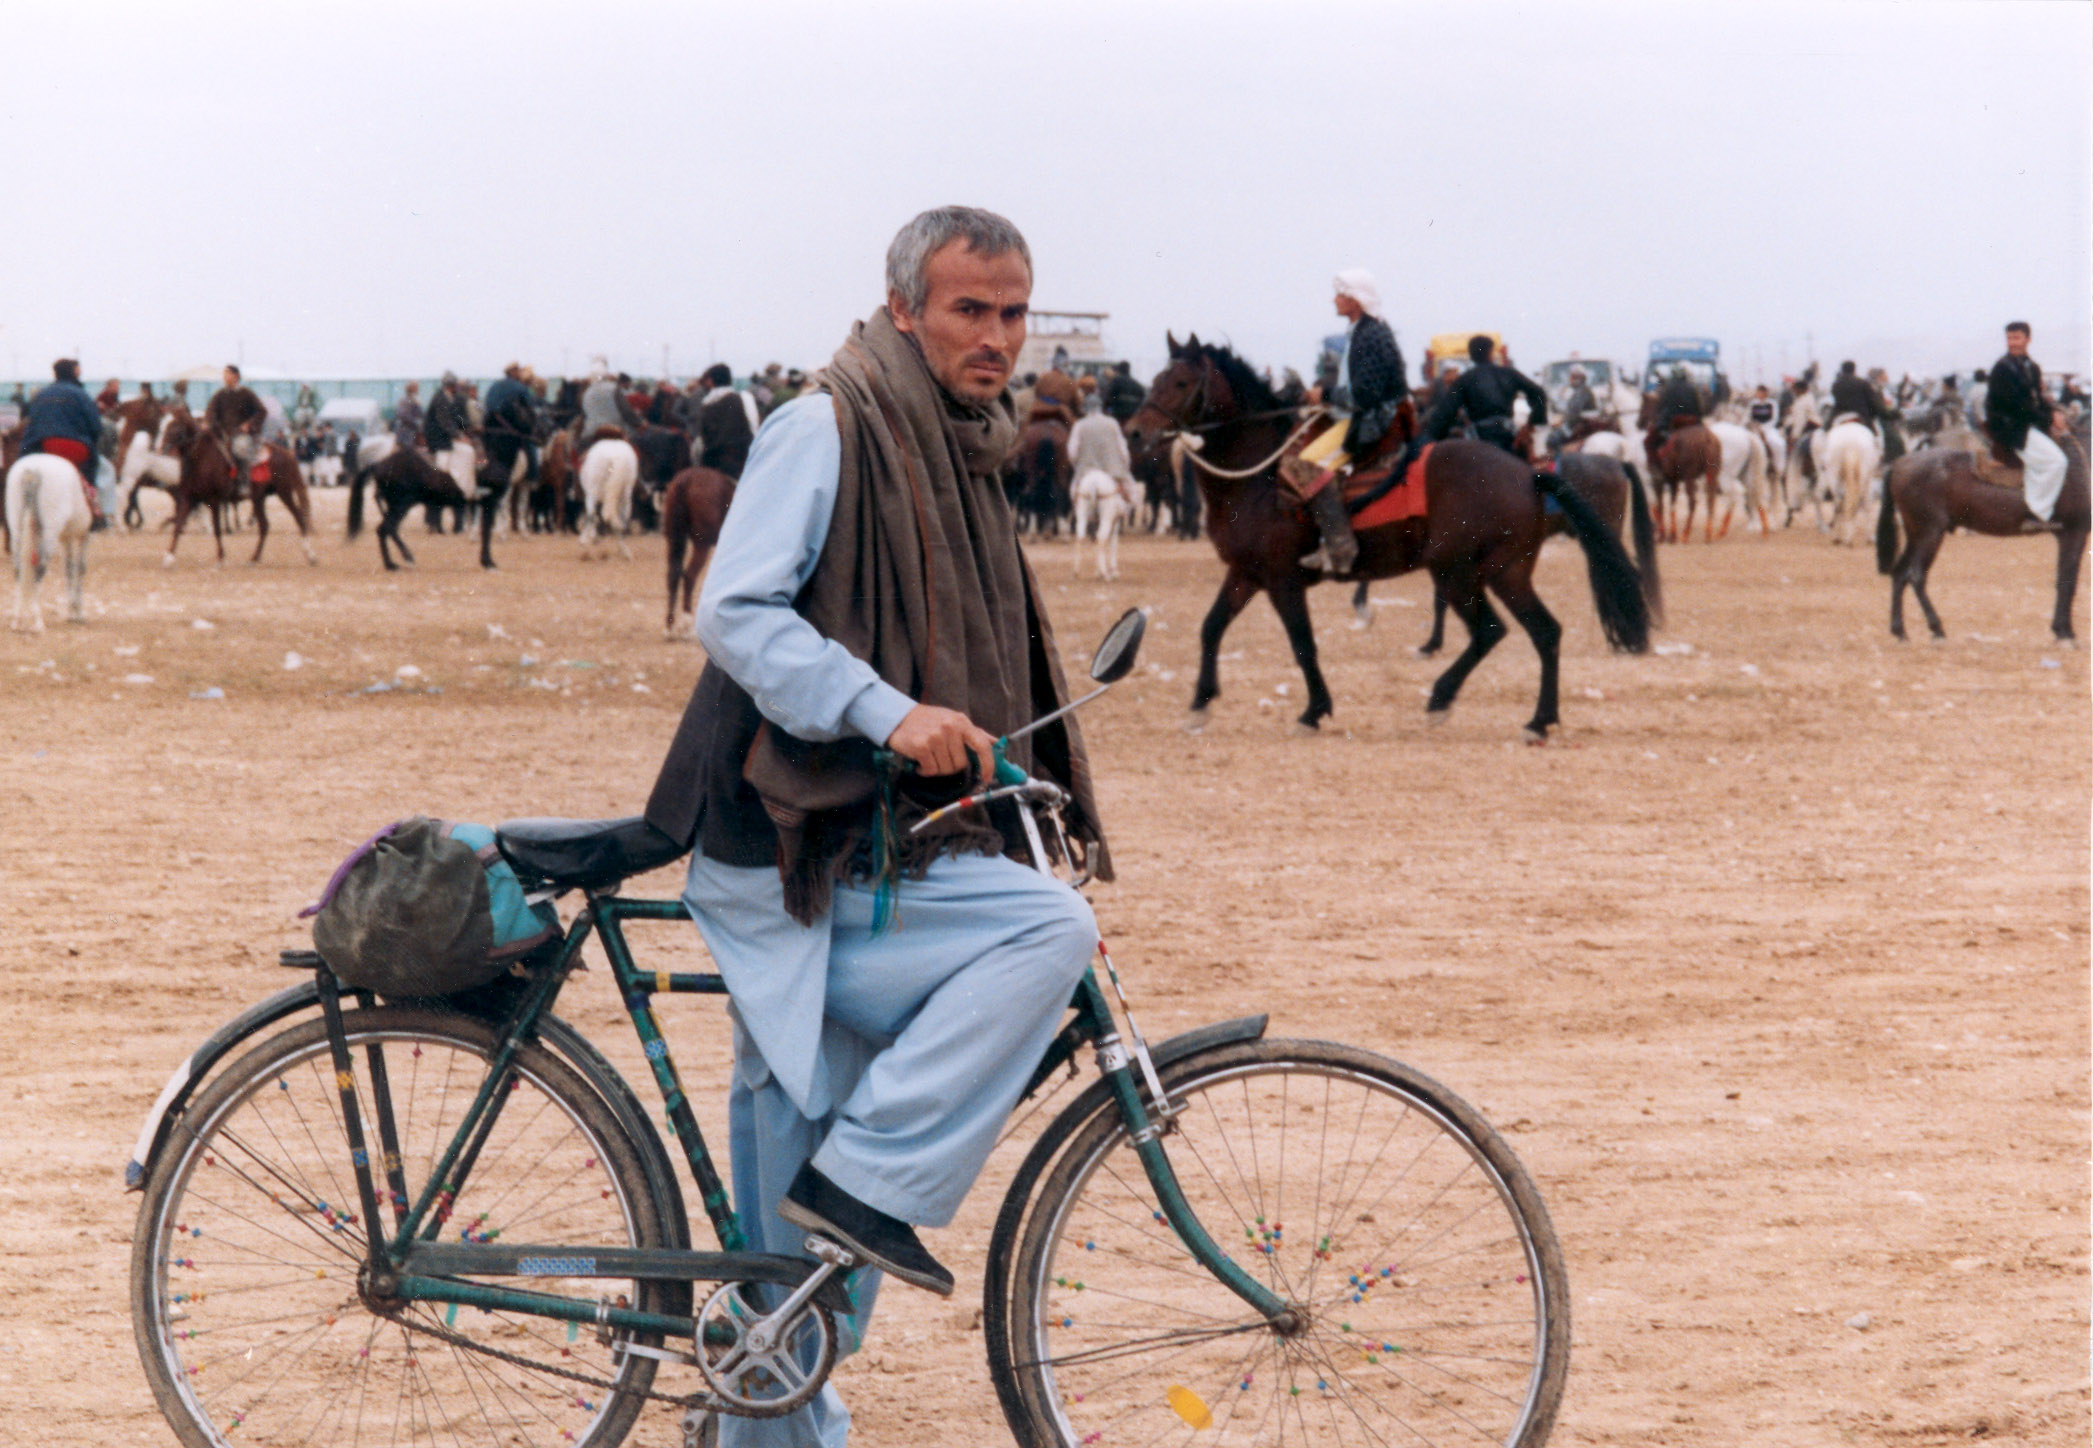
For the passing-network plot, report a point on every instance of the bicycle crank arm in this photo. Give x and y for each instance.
(501, 1259)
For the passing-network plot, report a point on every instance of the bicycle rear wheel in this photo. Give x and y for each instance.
(1429, 1289)
(244, 1267)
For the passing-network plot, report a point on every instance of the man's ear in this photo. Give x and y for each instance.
(897, 308)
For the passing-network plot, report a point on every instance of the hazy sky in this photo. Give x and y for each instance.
(330, 189)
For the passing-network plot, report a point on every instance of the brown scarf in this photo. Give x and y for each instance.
(921, 577)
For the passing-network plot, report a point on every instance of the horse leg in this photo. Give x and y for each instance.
(2071, 545)
(261, 526)
(1546, 633)
(1464, 595)
(182, 504)
(490, 505)
(1291, 600)
(218, 531)
(1082, 526)
(1899, 580)
(76, 578)
(1922, 555)
(1236, 592)
(1437, 641)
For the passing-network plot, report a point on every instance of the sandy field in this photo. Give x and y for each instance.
(1773, 967)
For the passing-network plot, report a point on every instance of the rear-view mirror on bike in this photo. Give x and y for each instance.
(1114, 658)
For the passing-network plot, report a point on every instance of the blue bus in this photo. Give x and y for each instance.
(1700, 356)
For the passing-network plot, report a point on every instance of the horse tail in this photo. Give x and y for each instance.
(1616, 590)
(32, 521)
(356, 500)
(1886, 528)
(677, 524)
(1645, 534)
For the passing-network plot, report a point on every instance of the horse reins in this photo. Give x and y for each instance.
(1186, 443)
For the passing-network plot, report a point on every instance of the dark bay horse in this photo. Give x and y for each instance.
(1040, 475)
(1481, 534)
(1690, 455)
(692, 511)
(209, 477)
(407, 479)
(1614, 490)
(1936, 489)
(664, 452)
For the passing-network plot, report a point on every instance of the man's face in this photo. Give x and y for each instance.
(231, 378)
(1349, 308)
(2017, 344)
(973, 321)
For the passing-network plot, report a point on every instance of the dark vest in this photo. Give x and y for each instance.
(723, 427)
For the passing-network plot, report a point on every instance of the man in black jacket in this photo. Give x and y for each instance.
(1121, 393)
(1851, 396)
(1370, 387)
(2017, 415)
(1486, 392)
(512, 420)
(721, 429)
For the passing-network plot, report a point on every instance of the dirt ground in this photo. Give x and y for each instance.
(1773, 966)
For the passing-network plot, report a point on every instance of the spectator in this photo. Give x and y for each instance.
(407, 417)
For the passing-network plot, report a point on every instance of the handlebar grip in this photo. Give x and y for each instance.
(1006, 772)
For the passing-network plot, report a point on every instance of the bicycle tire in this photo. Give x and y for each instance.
(1428, 1283)
(244, 1263)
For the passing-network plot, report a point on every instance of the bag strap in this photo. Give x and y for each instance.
(341, 873)
(489, 854)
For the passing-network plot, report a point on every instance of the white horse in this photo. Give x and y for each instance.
(1744, 473)
(46, 509)
(146, 460)
(1097, 494)
(1848, 460)
(608, 475)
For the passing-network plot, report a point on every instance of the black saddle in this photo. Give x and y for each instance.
(584, 854)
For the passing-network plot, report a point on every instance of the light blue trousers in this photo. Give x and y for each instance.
(891, 1062)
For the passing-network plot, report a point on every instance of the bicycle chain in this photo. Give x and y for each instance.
(693, 1400)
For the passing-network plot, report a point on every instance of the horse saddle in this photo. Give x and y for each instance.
(1991, 467)
(1374, 495)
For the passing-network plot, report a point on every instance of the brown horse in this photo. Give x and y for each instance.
(1040, 475)
(1614, 490)
(1690, 453)
(1937, 489)
(1481, 534)
(692, 512)
(209, 477)
(558, 485)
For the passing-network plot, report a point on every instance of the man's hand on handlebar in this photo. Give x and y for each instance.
(938, 741)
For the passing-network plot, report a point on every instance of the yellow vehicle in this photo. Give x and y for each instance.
(1453, 347)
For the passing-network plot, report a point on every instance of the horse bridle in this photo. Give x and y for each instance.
(1196, 406)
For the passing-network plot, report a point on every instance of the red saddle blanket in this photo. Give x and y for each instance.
(259, 471)
(1404, 499)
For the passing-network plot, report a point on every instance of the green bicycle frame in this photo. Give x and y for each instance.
(416, 1267)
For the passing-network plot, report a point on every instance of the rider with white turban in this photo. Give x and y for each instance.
(1370, 386)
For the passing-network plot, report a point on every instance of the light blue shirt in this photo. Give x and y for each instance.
(809, 686)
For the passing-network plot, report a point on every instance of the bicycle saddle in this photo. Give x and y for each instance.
(584, 854)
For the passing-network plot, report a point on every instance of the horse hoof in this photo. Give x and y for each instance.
(1534, 737)
(1305, 730)
(1195, 721)
(1436, 718)
(1426, 651)
(167, 560)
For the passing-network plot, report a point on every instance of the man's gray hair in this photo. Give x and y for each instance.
(913, 246)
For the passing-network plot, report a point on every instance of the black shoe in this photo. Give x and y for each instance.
(888, 1243)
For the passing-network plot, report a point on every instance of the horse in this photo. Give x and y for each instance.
(151, 461)
(1743, 473)
(1613, 487)
(663, 453)
(609, 473)
(692, 512)
(1937, 489)
(405, 479)
(1848, 461)
(208, 476)
(46, 508)
(1690, 454)
(1481, 534)
(1096, 494)
(555, 488)
(1041, 475)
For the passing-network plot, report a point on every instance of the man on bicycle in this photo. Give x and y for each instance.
(878, 598)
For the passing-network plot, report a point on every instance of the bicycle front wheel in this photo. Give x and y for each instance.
(1430, 1304)
(246, 1298)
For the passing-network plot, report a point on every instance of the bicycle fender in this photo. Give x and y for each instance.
(1201, 1038)
(190, 1073)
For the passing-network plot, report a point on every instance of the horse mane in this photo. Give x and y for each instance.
(1249, 388)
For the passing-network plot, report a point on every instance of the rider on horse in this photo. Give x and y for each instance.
(1370, 386)
(2017, 415)
(1678, 404)
(234, 416)
(63, 421)
(1486, 392)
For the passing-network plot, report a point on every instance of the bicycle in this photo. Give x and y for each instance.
(454, 1220)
